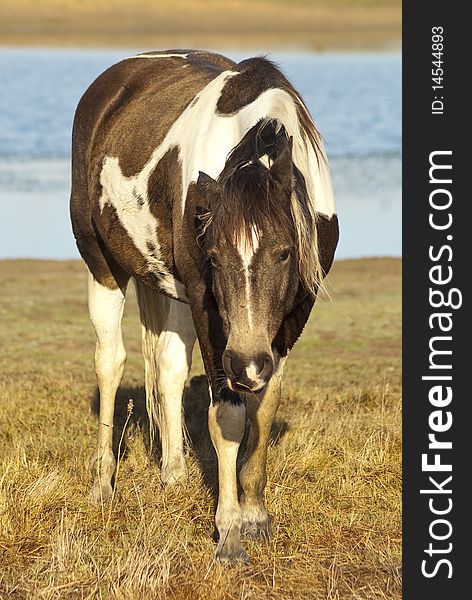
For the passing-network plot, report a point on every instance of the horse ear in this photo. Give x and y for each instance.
(281, 171)
(208, 189)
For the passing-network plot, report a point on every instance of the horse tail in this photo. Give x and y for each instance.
(153, 308)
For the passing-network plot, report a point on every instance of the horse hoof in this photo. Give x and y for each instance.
(229, 549)
(175, 473)
(256, 530)
(232, 556)
(256, 522)
(100, 493)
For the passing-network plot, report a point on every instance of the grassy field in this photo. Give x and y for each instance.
(334, 488)
(315, 24)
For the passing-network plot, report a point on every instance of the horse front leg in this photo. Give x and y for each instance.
(226, 421)
(253, 477)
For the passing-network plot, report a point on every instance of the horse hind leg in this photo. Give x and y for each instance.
(168, 340)
(106, 310)
(175, 349)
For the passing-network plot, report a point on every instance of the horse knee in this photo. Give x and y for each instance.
(109, 361)
(172, 371)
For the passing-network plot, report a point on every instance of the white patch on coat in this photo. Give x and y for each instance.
(226, 423)
(159, 56)
(171, 352)
(251, 372)
(247, 249)
(106, 311)
(222, 133)
(264, 159)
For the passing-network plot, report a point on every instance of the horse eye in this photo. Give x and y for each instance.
(283, 256)
(214, 263)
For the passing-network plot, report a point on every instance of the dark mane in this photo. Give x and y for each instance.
(250, 204)
(266, 137)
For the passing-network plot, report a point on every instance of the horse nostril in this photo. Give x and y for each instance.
(266, 370)
(227, 362)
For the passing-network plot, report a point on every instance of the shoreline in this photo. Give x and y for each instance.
(322, 43)
(391, 47)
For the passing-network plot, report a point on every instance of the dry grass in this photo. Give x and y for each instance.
(334, 487)
(196, 23)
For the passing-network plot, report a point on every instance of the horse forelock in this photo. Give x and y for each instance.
(247, 206)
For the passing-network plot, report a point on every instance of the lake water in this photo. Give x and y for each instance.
(355, 100)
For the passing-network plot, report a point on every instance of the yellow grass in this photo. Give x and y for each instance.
(148, 24)
(334, 487)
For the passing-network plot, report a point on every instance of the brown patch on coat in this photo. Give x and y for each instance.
(294, 323)
(202, 58)
(328, 236)
(210, 61)
(256, 75)
(165, 193)
(100, 262)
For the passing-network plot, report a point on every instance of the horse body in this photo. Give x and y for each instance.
(205, 182)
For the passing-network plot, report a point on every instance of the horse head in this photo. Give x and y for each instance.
(250, 248)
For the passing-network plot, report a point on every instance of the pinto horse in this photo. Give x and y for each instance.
(206, 182)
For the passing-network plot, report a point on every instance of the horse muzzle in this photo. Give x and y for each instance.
(247, 374)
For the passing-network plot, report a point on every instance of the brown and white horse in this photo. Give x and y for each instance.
(206, 182)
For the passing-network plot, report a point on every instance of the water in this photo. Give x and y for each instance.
(355, 100)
